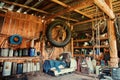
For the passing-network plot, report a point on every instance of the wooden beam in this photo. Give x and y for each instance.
(68, 18)
(24, 6)
(84, 14)
(48, 6)
(38, 10)
(67, 6)
(105, 8)
(36, 4)
(112, 40)
(91, 20)
(26, 3)
(71, 8)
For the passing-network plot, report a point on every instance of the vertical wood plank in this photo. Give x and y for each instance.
(5, 24)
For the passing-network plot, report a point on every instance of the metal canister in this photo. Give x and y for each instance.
(25, 52)
(19, 68)
(4, 52)
(19, 52)
(32, 52)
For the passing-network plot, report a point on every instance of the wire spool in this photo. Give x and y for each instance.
(15, 39)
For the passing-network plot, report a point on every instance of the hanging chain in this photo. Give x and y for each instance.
(97, 33)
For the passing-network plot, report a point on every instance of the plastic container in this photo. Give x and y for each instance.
(7, 69)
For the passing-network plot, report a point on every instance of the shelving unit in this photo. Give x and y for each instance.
(87, 46)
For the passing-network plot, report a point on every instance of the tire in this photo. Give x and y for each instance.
(49, 29)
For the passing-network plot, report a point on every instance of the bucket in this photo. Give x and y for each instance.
(7, 69)
(32, 52)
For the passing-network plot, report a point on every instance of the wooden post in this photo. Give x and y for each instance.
(112, 40)
(72, 49)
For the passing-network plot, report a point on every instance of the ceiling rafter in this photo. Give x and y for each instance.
(24, 6)
(48, 6)
(67, 6)
(26, 3)
(83, 4)
(38, 10)
(36, 4)
(91, 20)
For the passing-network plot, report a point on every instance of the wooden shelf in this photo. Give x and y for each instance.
(101, 46)
(19, 59)
(103, 38)
(86, 40)
(81, 40)
(83, 47)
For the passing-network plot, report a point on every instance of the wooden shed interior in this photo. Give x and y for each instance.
(92, 22)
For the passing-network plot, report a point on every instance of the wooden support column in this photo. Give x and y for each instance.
(72, 49)
(112, 40)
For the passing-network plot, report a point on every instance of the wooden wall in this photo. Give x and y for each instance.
(25, 25)
(28, 27)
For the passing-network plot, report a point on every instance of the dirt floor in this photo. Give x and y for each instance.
(70, 76)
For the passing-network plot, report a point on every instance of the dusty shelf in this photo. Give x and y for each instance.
(19, 59)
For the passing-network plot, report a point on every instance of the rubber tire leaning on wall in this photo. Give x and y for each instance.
(49, 29)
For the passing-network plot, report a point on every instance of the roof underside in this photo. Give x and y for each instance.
(73, 11)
